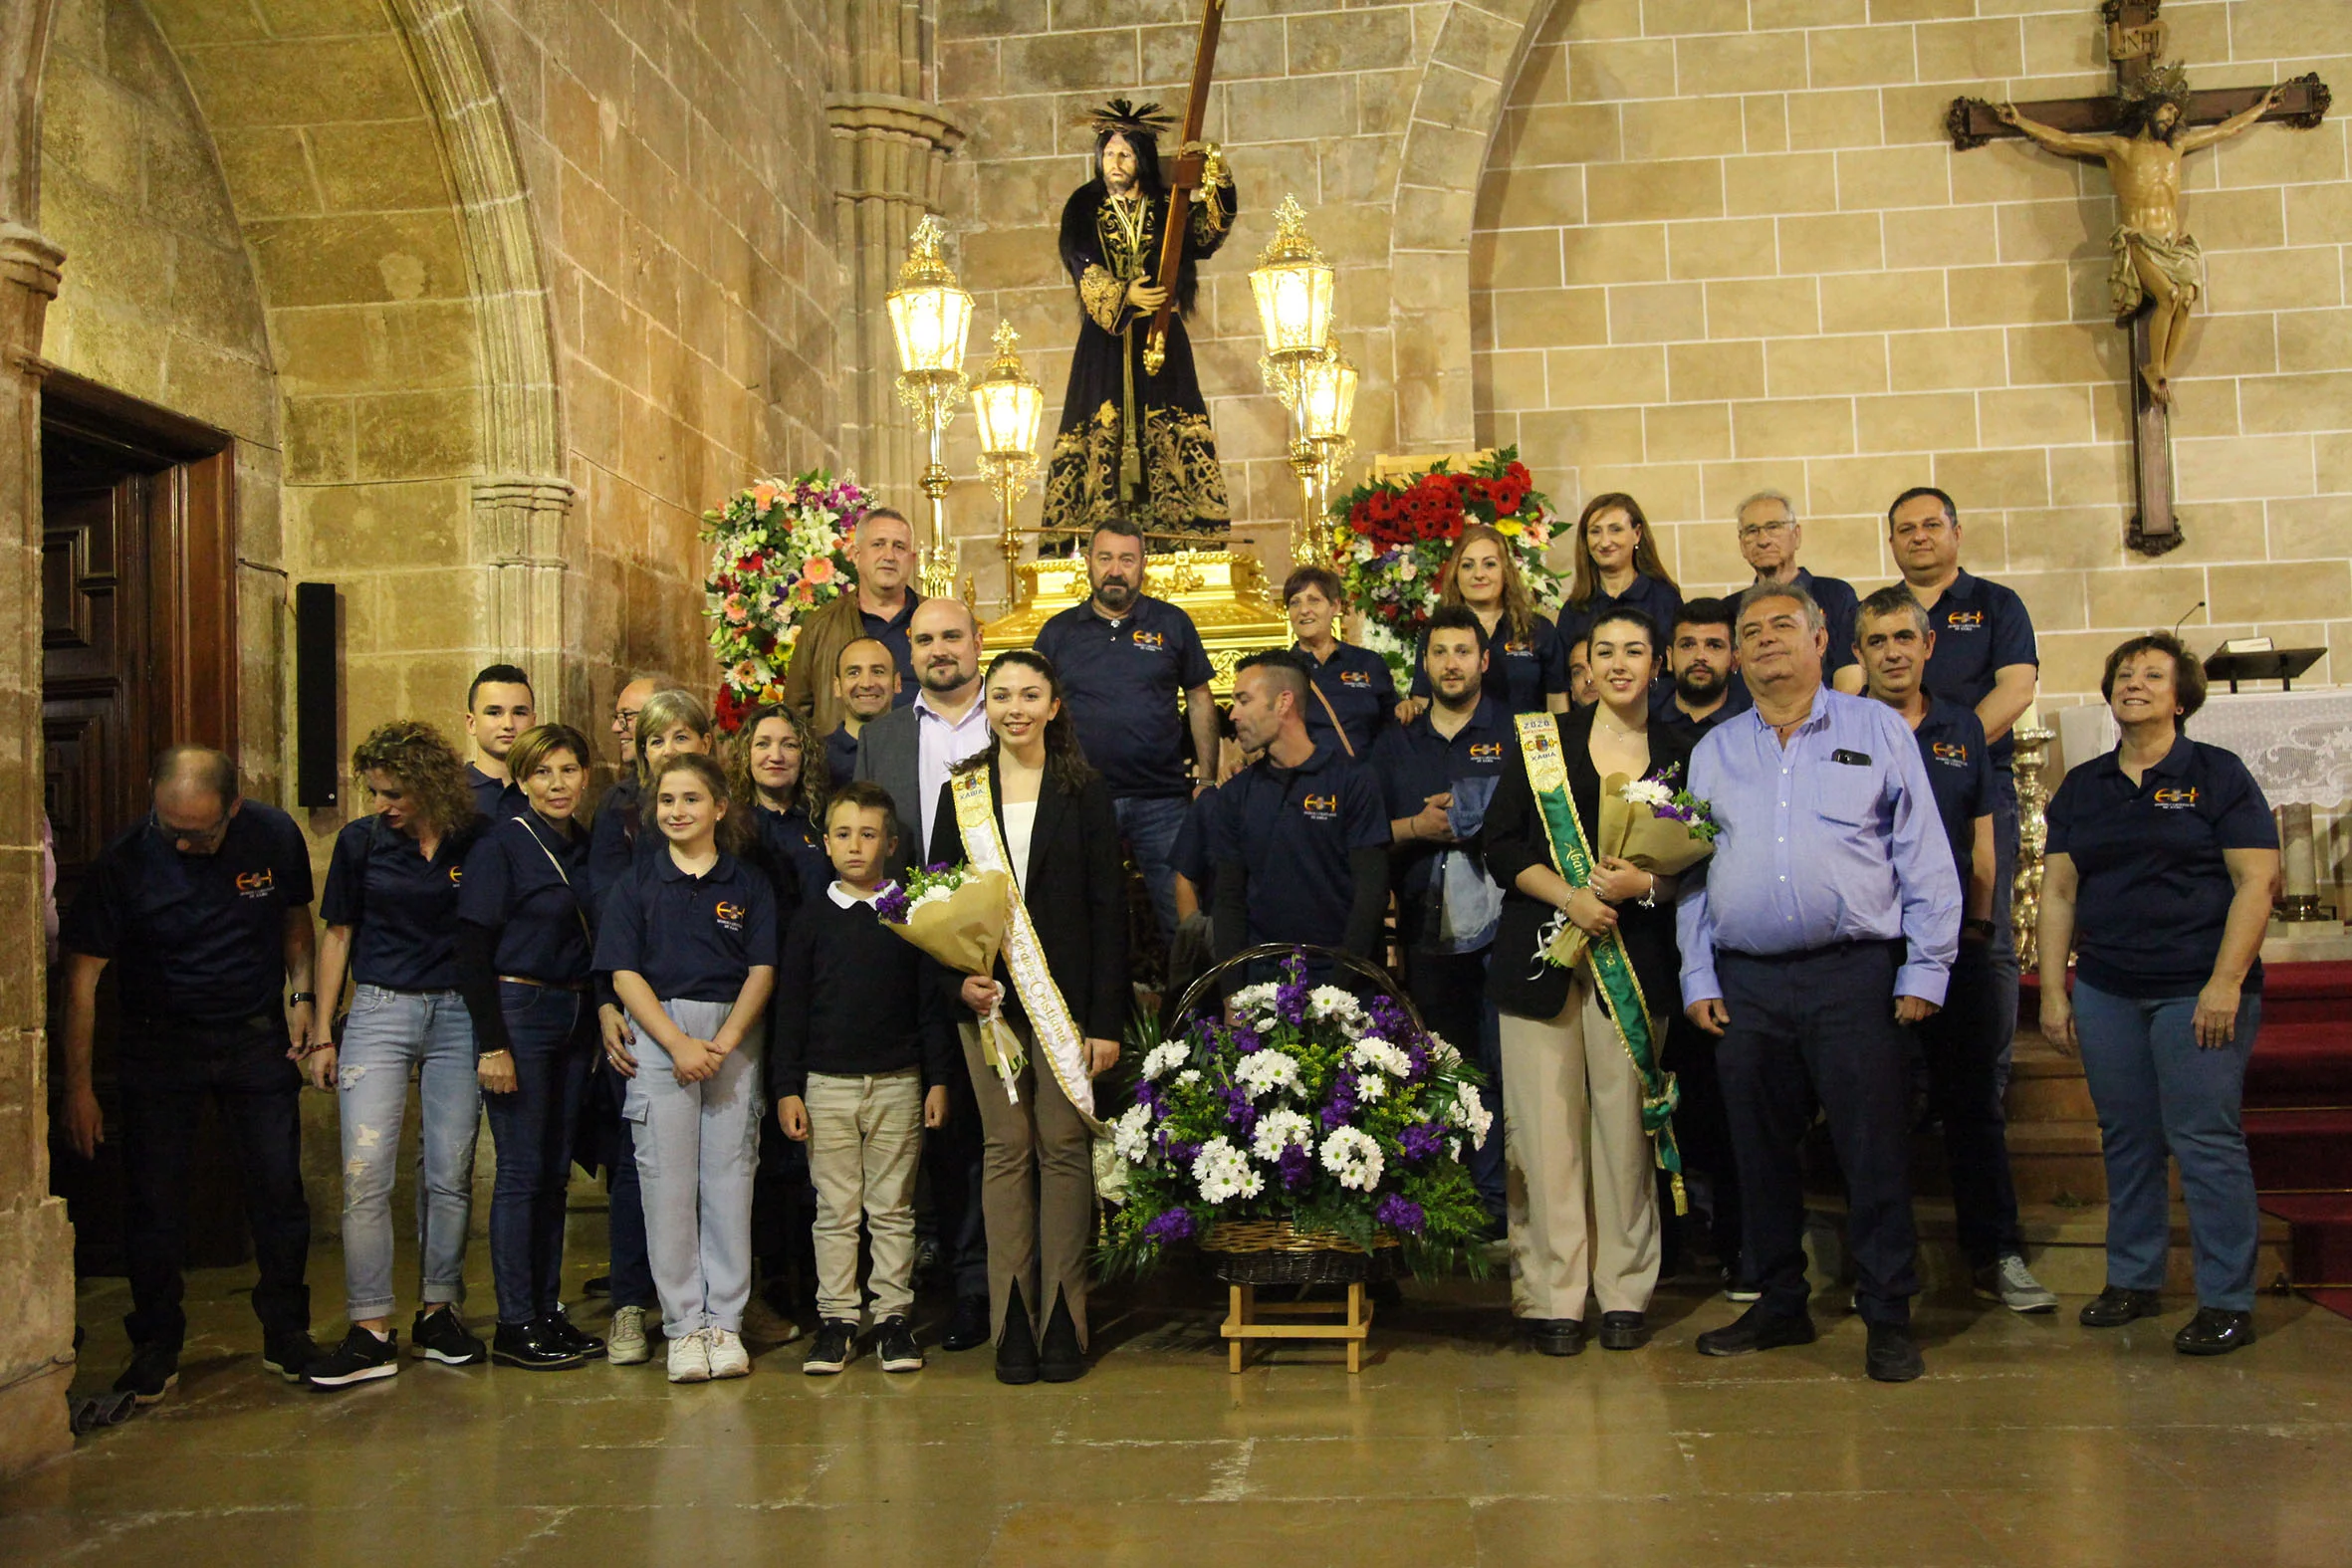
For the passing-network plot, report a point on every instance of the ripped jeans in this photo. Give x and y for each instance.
(388, 1035)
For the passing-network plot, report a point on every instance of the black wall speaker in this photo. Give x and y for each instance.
(318, 748)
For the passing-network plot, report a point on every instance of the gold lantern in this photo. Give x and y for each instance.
(1007, 404)
(930, 314)
(1327, 406)
(1292, 288)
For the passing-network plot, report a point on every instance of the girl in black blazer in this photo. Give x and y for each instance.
(1061, 842)
(1570, 1093)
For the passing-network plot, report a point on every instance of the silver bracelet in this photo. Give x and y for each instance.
(1649, 900)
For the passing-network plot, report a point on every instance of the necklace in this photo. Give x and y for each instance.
(1128, 212)
(1609, 720)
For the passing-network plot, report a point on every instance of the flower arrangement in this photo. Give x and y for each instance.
(779, 552)
(1668, 803)
(1394, 534)
(1649, 823)
(1339, 1116)
(932, 884)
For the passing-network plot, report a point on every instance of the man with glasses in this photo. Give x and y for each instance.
(882, 553)
(626, 704)
(204, 908)
(1985, 658)
(1770, 538)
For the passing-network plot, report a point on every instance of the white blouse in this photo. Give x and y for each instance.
(1020, 823)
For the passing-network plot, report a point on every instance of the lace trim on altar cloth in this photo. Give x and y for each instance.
(1104, 296)
(1184, 485)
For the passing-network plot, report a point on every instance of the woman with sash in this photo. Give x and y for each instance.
(1028, 804)
(1582, 1093)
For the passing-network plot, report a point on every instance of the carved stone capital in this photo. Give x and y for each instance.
(865, 113)
(520, 520)
(30, 268)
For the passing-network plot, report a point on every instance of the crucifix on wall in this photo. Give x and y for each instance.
(2140, 133)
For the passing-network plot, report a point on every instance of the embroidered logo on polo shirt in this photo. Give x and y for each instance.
(1320, 807)
(730, 915)
(1519, 650)
(1951, 753)
(1355, 678)
(456, 875)
(1963, 621)
(257, 884)
(2175, 800)
(1155, 641)
(1487, 752)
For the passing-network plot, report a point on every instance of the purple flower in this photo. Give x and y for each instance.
(1295, 1165)
(1417, 1061)
(890, 906)
(1173, 1224)
(1421, 1140)
(1342, 1105)
(1399, 1212)
(1245, 1040)
(1183, 1153)
(1239, 1112)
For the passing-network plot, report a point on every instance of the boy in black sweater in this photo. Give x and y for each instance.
(865, 1027)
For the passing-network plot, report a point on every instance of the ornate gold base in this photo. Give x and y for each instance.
(1226, 594)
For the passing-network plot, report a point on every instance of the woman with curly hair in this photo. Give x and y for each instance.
(1617, 567)
(391, 911)
(1526, 662)
(776, 766)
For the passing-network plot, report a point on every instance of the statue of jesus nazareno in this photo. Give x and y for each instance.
(1134, 444)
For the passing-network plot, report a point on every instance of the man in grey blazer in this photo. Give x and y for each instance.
(908, 751)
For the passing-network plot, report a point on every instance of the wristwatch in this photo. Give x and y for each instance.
(1979, 926)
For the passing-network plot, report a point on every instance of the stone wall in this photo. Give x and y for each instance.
(1722, 246)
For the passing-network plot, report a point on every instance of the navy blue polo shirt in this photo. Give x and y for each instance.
(529, 883)
(1840, 606)
(496, 798)
(195, 936)
(1413, 761)
(2153, 892)
(890, 632)
(1293, 828)
(1356, 683)
(613, 839)
(1521, 671)
(1124, 681)
(1189, 857)
(1655, 598)
(841, 754)
(794, 850)
(1981, 628)
(691, 939)
(402, 908)
(1735, 701)
(1960, 772)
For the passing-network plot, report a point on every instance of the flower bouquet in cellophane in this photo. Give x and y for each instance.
(958, 915)
(1649, 823)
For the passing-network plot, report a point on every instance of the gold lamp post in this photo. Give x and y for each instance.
(1007, 403)
(929, 315)
(1327, 406)
(1291, 284)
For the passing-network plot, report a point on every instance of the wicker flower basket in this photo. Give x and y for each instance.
(1274, 1252)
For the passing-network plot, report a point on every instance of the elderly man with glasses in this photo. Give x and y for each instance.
(1770, 538)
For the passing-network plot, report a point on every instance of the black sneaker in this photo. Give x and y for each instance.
(532, 1346)
(153, 1368)
(360, 1358)
(895, 1347)
(836, 1344)
(441, 1336)
(1893, 1355)
(571, 1333)
(288, 1354)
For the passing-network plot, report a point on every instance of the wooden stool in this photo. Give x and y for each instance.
(1350, 1322)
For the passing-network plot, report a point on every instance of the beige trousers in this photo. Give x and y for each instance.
(1582, 1196)
(865, 1142)
(1037, 1189)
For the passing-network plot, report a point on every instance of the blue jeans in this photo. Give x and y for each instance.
(390, 1034)
(1149, 824)
(554, 1038)
(2155, 1091)
(696, 1150)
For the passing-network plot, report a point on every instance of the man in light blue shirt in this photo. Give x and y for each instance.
(1824, 923)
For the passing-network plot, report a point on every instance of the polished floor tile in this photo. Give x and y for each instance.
(2031, 1442)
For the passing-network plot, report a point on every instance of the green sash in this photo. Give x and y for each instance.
(1612, 970)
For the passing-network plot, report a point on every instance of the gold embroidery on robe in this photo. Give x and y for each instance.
(1183, 481)
(1104, 296)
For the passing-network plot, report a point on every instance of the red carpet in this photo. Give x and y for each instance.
(2298, 1122)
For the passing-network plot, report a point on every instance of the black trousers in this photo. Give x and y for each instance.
(168, 1066)
(1703, 1134)
(1450, 989)
(1819, 1029)
(952, 1165)
(1962, 1047)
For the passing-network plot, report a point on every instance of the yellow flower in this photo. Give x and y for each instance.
(1508, 528)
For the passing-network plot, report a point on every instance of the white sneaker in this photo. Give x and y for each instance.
(624, 1343)
(690, 1358)
(728, 1356)
(2012, 1284)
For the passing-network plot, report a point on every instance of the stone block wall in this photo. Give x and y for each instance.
(1721, 246)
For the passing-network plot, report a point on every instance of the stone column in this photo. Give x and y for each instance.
(890, 150)
(36, 1242)
(518, 526)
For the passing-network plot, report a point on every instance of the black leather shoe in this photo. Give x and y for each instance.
(1556, 1336)
(564, 1332)
(967, 1325)
(2115, 1306)
(1017, 1347)
(1893, 1356)
(1060, 1359)
(2214, 1331)
(1756, 1329)
(1623, 1331)
(533, 1347)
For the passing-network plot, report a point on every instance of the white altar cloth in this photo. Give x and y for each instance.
(2298, 745)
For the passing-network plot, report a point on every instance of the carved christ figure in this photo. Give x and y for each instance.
(2153, 258)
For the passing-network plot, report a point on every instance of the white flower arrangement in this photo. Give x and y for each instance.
(1381, 1055)
(1224, 1172)
(1263, 1072)
(1352, 1156)
(1189, 1075)
(1252, 1000)
(1164, 1058)
(1130, 1135)
(1330, 1002)
(1469, 1112)
(1651, 793)
(1280, 1130)
(1371, 1089)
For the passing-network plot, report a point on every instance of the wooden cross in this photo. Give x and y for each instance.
(1188, 172)
(2135, 45)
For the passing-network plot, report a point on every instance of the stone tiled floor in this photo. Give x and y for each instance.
(2031, 1443)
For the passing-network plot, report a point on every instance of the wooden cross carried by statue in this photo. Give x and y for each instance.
(2140, 133)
